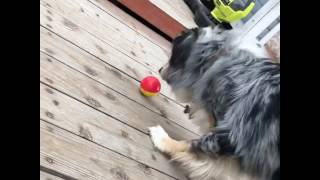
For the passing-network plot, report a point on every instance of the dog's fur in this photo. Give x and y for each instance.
(241, 91)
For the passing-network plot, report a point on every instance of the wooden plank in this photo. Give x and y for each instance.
(75, 14)
(82, 120)
(113, 78)
(82, 159)
(131, 22)
(155, 16)
(100, 49)
(47, 176)
(104, 99)
(178, 10)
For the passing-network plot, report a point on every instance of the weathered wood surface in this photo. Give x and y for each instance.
(81, 159)
(178, 10)
(131, 22)
(47, 176)
(76, 14)
(111, 77)
(155, 16)
(82, 120)
(97, 47)
(94, 122)
(87, 90)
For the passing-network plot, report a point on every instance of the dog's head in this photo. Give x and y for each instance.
(192, 54)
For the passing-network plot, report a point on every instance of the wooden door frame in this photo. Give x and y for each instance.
(155, 16)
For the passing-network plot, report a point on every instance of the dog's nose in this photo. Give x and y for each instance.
(160, 69)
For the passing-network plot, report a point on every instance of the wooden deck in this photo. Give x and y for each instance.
(170, 17)
(94, 122)
(178, 10)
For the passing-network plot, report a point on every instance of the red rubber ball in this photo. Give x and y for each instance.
(150, 86)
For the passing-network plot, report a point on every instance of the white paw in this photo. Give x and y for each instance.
(158, 137)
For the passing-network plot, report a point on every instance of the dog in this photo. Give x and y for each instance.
(240, 90)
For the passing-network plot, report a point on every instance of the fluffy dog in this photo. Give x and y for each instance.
(241, 91)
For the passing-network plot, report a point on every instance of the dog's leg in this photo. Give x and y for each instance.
(197, 165)
(180, 153)
(214, 143)
(165, 143)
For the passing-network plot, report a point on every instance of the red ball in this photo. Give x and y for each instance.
(150, 86)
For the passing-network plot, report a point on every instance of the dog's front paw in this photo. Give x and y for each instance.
(159, 137)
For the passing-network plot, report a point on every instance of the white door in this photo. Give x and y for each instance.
(262, 23)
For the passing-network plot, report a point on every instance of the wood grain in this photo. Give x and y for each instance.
(155, 16)
(93, 121)
(46, 176)
(99, 48)
(80, 119)
(101, 97)
(131, 22)
(113, 78)
(178, 10)
(75, 14)
(81, 159)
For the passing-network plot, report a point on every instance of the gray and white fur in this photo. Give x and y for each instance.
(239, 89)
